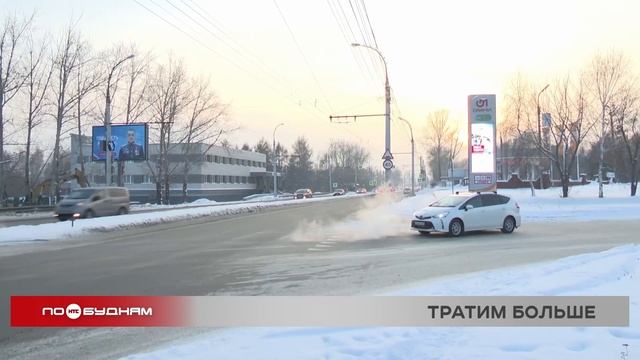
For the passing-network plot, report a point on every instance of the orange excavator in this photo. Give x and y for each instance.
(45, 186)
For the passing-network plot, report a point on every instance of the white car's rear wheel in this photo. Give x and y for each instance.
(508, 225)
(456, 228)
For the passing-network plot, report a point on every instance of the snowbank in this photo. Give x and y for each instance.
(62, 230)
(613, 272)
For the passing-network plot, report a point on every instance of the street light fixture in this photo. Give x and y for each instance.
(413, 156)
(107, 121)
(275, 161)
(387, 113)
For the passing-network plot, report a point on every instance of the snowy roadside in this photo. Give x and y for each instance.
(381, 220)
(612, 272)
(63, 230)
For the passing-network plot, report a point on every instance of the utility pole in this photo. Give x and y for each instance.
(413, 159)
(387, 112)
(540, 127)
(330, 180)
(275, 163)
(107, 123)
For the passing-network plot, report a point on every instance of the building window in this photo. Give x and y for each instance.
(224, 160)
(224, 179)
(137, 179)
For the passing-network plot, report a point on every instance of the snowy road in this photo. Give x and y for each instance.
(259, 254)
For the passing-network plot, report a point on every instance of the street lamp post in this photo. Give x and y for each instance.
(387, 113)
(274, 163)
(107, 121)
(413, 157)
(540, 127)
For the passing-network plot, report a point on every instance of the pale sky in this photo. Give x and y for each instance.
(438, 52)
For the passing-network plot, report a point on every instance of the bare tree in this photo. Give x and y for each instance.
(568, 126)
(204, 125)
(624, 113)
(167, 100)
(607, 71)
(66, 59)
(88, 78)
(437, 133)
(454, 145)
(11, 79)
(519, 112)
(136, 104)
(39, 71)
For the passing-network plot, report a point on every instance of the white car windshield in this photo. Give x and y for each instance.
(449, 201)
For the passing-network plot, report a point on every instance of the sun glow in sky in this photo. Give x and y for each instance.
(438, 52)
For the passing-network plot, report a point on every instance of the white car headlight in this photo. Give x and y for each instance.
(441, 215)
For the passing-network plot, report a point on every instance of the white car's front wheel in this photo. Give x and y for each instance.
(456, 227)
(508, 225)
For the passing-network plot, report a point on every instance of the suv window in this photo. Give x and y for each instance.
(475, 201)
(503, 199)
(490, 200)
(117, 192)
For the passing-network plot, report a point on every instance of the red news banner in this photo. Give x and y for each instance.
(317, 311)
(98, 311)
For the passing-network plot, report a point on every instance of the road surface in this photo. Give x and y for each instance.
(257, 254)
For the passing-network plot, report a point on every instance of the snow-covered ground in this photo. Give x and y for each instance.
(612, 272)
(64, 230)
(383, 218)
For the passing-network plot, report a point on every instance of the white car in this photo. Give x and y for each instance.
(458, 213)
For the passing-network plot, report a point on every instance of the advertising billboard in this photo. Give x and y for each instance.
(128, 142)
(482, 145)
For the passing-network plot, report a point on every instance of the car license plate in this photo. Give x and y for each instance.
(418, 223)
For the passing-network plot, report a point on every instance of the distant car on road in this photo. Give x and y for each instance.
(91, 202)
(458, 213)
(303, 194)
(361, 191)
(339, 192)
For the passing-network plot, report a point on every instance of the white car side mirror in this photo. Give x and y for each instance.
(468, 207)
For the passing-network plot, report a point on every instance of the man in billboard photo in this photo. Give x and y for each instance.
(131, 150)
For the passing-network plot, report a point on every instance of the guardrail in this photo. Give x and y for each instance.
(25, 209)
(141, 208)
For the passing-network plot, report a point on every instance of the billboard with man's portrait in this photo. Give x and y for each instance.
(128, 142)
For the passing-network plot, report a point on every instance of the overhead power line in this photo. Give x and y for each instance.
(355, 39)
(366, 13)
(236, 64)
(348, 42)
(304, 57)
(233, 44)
